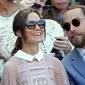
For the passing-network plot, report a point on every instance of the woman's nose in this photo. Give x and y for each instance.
(37, 27)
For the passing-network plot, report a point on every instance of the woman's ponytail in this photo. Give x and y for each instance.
(18, 45)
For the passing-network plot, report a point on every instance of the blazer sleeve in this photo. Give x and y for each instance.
(60, 73)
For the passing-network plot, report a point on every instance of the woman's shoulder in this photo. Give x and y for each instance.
(51, 58)
(13, 62)
(56, 63)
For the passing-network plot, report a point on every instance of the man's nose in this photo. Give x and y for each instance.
(72, 28)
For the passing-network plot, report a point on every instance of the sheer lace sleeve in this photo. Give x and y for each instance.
(9, 76)
(60, 73)
(7, 37)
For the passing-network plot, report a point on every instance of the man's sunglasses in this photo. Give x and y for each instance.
(32, 24)
(66, 25)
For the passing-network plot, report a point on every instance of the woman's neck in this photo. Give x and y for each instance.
(7, 8)
(60, 11)
(31, 49)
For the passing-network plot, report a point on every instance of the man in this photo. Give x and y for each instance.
(74, 62)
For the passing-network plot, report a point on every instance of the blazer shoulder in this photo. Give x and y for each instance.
(67, 60)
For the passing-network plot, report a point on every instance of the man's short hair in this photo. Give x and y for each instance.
(82, 7)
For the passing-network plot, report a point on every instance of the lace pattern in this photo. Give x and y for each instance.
(7, 37)
(53, 29)
(36, 74)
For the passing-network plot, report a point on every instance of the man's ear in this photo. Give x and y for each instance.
(18, 33)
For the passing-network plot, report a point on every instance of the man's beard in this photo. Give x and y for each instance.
(79, 43)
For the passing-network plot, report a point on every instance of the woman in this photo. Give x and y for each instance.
(8, 10)
(29, 65)
(37, 4)
(55, 9)
(53, 29)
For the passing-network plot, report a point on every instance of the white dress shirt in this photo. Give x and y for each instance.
(82, 52)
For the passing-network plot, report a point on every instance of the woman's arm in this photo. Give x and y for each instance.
(9, 74)
(60, 73)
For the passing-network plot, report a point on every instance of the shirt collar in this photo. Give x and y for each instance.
(82, 52)
(28, 57)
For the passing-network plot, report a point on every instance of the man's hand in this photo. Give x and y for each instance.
(62, 43)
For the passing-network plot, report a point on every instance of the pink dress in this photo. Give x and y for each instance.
(48, 71)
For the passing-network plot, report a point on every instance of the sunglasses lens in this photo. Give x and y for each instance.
(41, 23)
(66, 26)
(31, 24)
(47, 7)
(76, 22)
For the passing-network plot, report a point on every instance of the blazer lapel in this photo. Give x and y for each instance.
(78, 63)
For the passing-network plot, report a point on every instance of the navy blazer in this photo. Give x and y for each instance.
(75, 67)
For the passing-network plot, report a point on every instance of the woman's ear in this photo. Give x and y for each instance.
(18, 33)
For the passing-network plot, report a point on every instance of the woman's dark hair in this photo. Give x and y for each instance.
(48, 2)
(19, 24)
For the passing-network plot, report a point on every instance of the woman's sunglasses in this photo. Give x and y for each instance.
(36, 5)
(32, 24)
(47, 7)
(75, 22)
